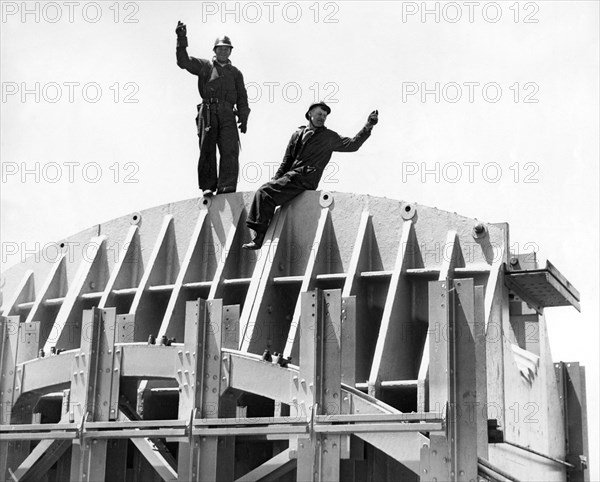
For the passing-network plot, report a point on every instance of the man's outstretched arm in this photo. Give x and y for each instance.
(348, 144)
(191, 64)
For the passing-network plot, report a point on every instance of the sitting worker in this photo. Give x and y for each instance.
(222, 89)
(305, 159)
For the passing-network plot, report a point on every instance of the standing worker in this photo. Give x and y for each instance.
(307, 154)
(221, 86)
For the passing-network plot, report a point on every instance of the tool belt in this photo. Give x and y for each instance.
(203, 117)
(214, 100)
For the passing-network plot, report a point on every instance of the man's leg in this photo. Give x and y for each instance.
(228, 142)
(266, 199)
(207, 163)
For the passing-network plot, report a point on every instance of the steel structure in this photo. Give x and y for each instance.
(404, 343)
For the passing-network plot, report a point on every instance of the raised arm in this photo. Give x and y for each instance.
(191, 64)
(352, 144)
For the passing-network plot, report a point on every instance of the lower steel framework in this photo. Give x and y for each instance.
(369, 339)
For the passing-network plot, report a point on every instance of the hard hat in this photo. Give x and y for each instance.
(223, 41)
(322, 105)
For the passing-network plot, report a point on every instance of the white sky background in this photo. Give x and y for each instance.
(536, 146)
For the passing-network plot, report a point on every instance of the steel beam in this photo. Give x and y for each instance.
(316, 260)
(571, 385)
(319, 385)
(20, 344)
(54, 286)
(9, 333)
(389, 363)
(67, 329)
(42, 457)
(198, 367)
(158, 272)
(24, 293)
(273, 468)
(155, 453)
(257, 291)
(449, 264)
(453, 380)
(190, 266)
(94, 390)
(126, 273)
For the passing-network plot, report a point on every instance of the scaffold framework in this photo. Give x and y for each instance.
(369, 339)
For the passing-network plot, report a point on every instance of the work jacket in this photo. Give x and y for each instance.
(306, 161)
(216, 82)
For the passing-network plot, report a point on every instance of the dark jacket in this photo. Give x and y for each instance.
(225, 83)
(307, 161)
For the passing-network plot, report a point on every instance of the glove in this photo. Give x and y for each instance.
(181, 29)
(243, 126)
(373, 118)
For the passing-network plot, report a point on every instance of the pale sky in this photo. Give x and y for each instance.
(486, 110)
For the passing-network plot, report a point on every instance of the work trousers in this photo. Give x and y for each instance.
(217, 127)
(269, 196)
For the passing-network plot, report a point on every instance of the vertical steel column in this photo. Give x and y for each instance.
(94, 390)
(19, 342)
(453, 381)
(470, 411)
(481, 373)
(349, 333)
(435, 458)
(570, 379)
(319, 388)
(198, 369)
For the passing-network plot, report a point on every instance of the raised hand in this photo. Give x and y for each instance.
(181, 29)
(373, 118)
